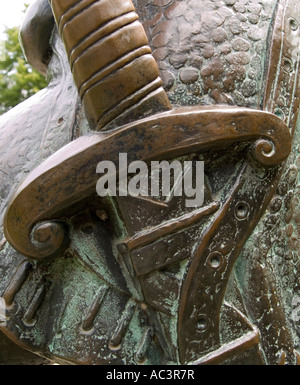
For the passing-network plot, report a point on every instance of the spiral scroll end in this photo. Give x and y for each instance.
(49, 239)
(270, 154)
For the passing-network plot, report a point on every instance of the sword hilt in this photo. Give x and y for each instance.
(111, 61)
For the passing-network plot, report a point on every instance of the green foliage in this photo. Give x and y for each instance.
(18, 80)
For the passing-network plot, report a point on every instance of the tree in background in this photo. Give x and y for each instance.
(18, 80)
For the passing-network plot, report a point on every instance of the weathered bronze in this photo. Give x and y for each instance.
(147, 280)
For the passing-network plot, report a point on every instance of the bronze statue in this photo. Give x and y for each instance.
(132, 279)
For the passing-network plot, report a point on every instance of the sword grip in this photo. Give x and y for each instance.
(110, 58)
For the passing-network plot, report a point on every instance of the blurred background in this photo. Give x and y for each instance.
(18, 80)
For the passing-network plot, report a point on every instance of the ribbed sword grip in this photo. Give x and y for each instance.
(111, 61)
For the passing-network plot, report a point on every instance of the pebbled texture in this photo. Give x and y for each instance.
(209, 51)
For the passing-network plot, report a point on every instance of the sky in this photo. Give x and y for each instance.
(11, 14)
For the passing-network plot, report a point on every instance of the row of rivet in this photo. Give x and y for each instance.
(216, 258)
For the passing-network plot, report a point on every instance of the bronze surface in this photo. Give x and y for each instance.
(136, 280)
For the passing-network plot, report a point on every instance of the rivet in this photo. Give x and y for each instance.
(279, 113)
(293, 24)
(215, 260)
(287, 65)
(241, 211)
(202, 323)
